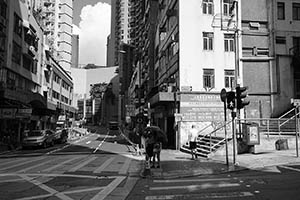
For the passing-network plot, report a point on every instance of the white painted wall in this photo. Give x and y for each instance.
(193, 59)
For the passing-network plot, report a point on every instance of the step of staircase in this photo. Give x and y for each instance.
(205, 145)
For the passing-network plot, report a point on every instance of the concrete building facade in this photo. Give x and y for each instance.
(57, 21)
(27, 88)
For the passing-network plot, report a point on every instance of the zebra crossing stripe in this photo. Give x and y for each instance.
(46, 188)
(34, 166)
(196, 187)
(22, 163)
(221, 195)
(11, 161)
(107, 190)
(60, 164)
(125, 166)
(104, 165)
(82, 164)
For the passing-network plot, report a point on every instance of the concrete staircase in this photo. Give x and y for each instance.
(206, 145)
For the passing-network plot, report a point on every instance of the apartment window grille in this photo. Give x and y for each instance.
(229, 42)
(296, 11)
(229, 78)
(16, 53)
(226, 7)
(280, 11)
(17, 25)
(208, 78)
(208, 38)
(207, 7)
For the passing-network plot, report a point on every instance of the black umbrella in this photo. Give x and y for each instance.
(157, 133)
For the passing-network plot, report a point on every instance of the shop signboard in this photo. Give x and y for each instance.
(24, 112)
(201, 107)
(8, 113)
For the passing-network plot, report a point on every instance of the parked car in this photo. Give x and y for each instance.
(42, 138)
(62, 135)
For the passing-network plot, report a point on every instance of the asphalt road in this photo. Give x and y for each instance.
(95, 167)
(87, 167)
(272, 183)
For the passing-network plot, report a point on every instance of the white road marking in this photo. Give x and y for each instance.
(226, 195)
(46, 188)
(88, 142)
(82, 164)
(22, 163)
(125, 166)
(59, 175)
(196, 187)
(98, 147)
(104, 193)
(191, 180)
(59, 149)
(32, 167)
(12, 180)
(84, 190)
(60, 164)
(104, 165)
(290, 168)
(11, 161)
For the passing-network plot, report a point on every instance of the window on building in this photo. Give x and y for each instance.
(16, 53)
(280, 11)
(280, 40)
(17, 25)
(208, 41)
(229, 42)
(3, 9)
(208, 78)
(27, 62)
(226, 7)
(207, 7)
(296, 11)
(296, 42)
(229, 78)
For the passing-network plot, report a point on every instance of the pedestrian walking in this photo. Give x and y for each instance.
(193, 135)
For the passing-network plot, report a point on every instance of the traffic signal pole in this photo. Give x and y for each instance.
(236, 112)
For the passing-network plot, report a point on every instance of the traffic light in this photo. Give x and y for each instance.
(241, 94)
(145, 112)
(230, 97)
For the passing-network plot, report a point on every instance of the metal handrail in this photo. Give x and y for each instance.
(288, 112)
(203, 129)
(290, 119)
(210, 145)
(216, 129)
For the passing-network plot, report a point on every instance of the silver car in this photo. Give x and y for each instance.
(41, 138)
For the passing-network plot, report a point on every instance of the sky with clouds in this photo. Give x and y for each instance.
(92, 23)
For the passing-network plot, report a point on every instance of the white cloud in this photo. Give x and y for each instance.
(94, 29)
(75, 30)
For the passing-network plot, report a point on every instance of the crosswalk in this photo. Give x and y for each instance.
(95, 164)
(202, 188)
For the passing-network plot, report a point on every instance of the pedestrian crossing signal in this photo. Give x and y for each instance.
(230, 96)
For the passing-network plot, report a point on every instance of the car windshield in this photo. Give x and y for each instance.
(35, 133)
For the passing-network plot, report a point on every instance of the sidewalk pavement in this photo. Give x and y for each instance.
(176, 164)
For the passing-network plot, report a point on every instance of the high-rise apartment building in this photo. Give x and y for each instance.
(34, 88)
(57, 19)
(75, 50)
(119, 29)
